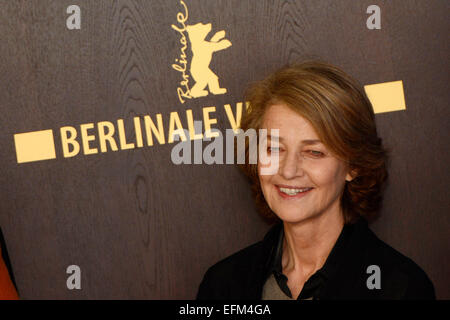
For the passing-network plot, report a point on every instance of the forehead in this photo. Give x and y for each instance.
(289, 123)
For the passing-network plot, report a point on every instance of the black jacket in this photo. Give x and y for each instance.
(243, 274)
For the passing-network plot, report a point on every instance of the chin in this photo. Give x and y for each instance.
(293, 216)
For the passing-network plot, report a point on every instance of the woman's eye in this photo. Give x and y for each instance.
(315, 153)
(273, 149)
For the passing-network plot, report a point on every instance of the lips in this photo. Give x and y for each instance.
(293, 191)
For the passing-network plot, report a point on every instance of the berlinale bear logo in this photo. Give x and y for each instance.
(202, 52)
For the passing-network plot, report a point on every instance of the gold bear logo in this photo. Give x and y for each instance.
(202, 52)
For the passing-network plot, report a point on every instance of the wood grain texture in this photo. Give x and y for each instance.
(141, 227)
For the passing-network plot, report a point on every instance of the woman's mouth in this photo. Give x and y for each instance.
(290, 192)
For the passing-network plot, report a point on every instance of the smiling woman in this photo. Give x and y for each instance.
(336, 112)
(329, 181)
(310, 179)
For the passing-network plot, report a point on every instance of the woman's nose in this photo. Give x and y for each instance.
(291, 166)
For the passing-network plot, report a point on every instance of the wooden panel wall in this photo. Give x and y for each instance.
(141, 227)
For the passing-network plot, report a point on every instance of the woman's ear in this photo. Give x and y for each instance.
(351, 175)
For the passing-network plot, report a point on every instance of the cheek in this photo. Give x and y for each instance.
(263, 173)
(327, 174)
(265, 182)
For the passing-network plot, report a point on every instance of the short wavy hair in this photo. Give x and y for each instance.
(343, 118)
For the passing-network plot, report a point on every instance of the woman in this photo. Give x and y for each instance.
(329, 179)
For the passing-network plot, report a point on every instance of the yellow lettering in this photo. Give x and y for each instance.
(190, 120)
(150, 127)
(137, 129)
(175, 121)
(103, 137)
(85, 138)
(69, 140)
(122, 138)
(235, 122)
(208, 122)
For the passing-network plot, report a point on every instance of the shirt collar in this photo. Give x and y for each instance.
(331, 264)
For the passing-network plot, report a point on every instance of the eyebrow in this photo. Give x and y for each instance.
(307, 141)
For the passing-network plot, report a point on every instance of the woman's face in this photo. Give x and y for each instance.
(304, 162)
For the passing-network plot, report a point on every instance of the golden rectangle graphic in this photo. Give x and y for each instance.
(386, 97)
(34, 146)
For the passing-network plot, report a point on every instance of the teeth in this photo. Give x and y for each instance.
(293, 192)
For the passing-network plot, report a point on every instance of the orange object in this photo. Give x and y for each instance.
(7, 289)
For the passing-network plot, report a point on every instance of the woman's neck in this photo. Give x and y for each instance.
(307, 244)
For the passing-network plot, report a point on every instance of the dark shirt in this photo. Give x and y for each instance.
(343, 276)
(311, 288)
